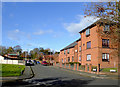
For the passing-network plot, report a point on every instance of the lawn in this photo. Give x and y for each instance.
(11, 70)
(108, 69)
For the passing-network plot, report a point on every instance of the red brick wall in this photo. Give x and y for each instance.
(96, 50)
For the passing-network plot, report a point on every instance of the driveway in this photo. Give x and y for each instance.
(49, 76)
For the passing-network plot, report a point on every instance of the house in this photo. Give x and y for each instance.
(8, 60)
(13, 55)
(92, 49)
(67, 54)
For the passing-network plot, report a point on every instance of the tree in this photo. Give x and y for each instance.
(24, 54)
(31, 54)
(56, 57)
(109, 13)
(41, 49)
(10, 50)
(57, 52)
(18, 49)
(107, 10)
(3, 50)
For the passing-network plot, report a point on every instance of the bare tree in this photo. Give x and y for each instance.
(109, 13)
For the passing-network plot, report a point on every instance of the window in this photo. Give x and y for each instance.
(65, 60)
(83, 44)
(79, 58)
(88, 57)
(89, 45)
(88, 32)
(105, 43)
(105, 57)
(64, 51)
(68, 51)
(106, 28)
(68, 59)
(80, 48)
(75, 50)
(62, 60)
(72, 59)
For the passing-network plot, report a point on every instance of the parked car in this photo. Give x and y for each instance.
(29, 63)
(44, 63)
(38, 62)
(34, 61)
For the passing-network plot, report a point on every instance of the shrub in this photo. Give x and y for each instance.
(82, 67)
(72, 63)
(93, 67)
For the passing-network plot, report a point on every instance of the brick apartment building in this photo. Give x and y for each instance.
(91, 49)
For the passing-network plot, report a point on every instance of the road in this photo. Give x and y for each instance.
(49, 76)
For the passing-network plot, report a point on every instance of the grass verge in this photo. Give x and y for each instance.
(108, 69)
(11, 70)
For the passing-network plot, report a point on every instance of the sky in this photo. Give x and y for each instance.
(51, 25)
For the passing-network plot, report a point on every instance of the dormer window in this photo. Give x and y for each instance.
(106, 28)
(88, 32)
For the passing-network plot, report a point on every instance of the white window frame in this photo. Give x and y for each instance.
(106, 27)
(68, 51)
(79, 48)
(65, 60)
(62, 60)
(88, 57)
(75, 50)
(87, 32)
(79, 58)
(105, 56)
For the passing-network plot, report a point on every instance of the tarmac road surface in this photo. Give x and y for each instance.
(49, 76)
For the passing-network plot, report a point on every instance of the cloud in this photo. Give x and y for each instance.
(83, 23)
(41, 32)
(17, 30)
(14, 35)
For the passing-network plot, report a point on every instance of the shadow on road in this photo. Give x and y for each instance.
(48, 82)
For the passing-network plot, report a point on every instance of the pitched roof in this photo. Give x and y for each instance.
(94, 23)
(90, 25)
(71, 45)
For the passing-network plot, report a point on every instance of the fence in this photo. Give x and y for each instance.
(19, 62)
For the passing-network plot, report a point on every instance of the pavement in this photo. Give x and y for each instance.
(93, 75)
(27, 74)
